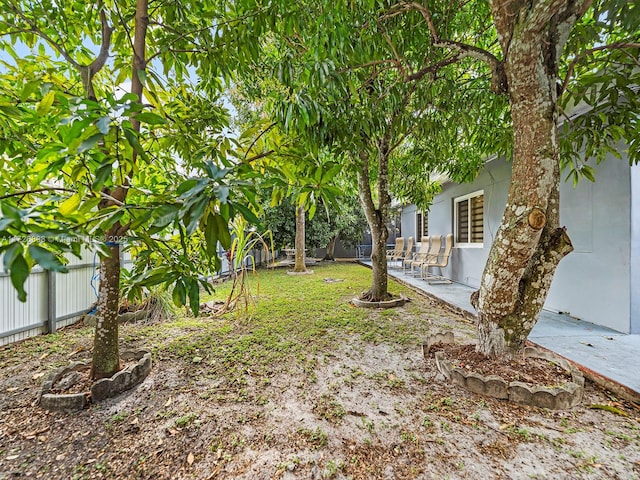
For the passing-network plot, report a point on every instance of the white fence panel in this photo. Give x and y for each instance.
(73, 292)
(19, 320)
(42, 312)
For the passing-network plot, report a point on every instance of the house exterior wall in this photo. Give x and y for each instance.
(408, 223)
(467, 263)
(635, 249)
(593, 282)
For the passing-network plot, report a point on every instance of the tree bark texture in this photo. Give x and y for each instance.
(300, 241)
(106, 357)
(529, 243)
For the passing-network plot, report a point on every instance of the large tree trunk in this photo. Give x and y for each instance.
(331, 248)
(300, 241)
(530, 242)
(106, 358)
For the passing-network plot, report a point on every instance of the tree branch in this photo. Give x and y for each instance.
(264, 132)
(258, 156)
(37, 31)
(105, 44)
(124, 24)
(399, 61)
(612, 46)
(540, 14)
(462, 50)
(16, 32)
(366, 65)
(57, 189)
(364, 187)
(433, 68)
(88, 72)
(575, 11)
(37, 190)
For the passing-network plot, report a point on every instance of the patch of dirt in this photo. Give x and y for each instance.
(529, 370)
(358, 408)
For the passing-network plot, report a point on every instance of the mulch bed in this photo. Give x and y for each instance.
(533, 371)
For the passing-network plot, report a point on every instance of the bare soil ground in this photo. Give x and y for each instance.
(300, 390)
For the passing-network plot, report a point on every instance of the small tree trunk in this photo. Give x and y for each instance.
(300, 241)
(331, 248)
(106, 358)
(377, 220)
(378, 291)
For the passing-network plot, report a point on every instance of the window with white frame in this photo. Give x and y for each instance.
(422, 225)
(468, 219)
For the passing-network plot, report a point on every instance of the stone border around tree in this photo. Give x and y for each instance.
(101, 390)
(396, 302)
(556, 398)
(124, 379)
(128, 317)
(63, 402)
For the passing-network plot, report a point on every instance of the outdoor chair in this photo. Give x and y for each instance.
(420, 255)
(440, 261)
(430, 256)
(396, 251)
(406, 254)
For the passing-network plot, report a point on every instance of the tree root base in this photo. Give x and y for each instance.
(392, 303)
(101, 389)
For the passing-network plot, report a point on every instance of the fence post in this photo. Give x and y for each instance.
(51, 302)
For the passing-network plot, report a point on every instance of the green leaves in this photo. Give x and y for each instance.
(211, 236)
(132, 137)
(90, 143)
(103, 173)
(13, 251)
(111, 177)
(46, 259)
(216, 229)
(45, 104)
(179, 294)
(19, 271)
(164, 215)
(103, 124)
(16, 264)
(150, 118)
(70, 205)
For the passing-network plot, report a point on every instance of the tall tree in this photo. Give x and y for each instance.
(298, 167)
(352, 89)
(532, 57)
(528, 53)
(96, 164)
